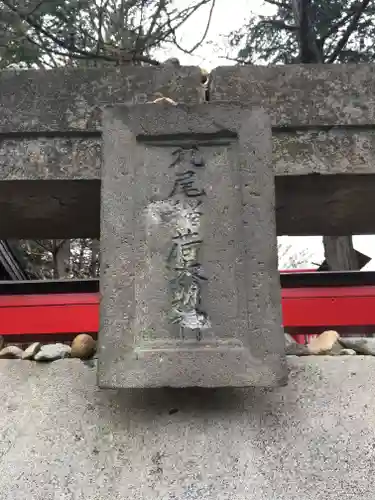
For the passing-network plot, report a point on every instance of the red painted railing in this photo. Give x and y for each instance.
(306, 310)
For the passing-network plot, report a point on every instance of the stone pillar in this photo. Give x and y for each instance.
(189, 281)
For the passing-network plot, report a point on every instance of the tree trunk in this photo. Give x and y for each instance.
(61, 259)
(339, 253)
(94, 264)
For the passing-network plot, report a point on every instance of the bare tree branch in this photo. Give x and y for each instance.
(43, 46)
(155, 16)
(335, 27)
(42, 245)
(203, 37)
(69, 35)
(281, 5)
(277, 23)
(130, 56)
(182, 16)
(349, 31)
(39, 4)
(238, 60)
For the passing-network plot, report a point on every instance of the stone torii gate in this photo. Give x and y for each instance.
(322, 125)
(50, 187)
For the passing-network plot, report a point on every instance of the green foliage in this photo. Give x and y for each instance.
(274, 39)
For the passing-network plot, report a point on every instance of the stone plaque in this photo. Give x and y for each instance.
(190, 292)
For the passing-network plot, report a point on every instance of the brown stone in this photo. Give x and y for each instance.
(324, 343)
(11, 352)
(83, 346)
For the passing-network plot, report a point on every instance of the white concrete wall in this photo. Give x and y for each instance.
(64, 439)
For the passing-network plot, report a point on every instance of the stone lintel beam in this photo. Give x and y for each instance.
(296, 152)
(294, 95)
(297, 95)
(71, 99)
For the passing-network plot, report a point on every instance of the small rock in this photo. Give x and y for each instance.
(347, 352)
(51, 352)
(296, 350)
(326, 342)
(30, 351)
(11, 352)
(2, 342)
(83, 346)
(360, 345)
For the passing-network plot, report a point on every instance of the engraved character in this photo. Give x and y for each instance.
(184, 184)
(196, 159)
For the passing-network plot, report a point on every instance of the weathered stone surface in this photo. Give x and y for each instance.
(305, 152)
(337, 150)
(83, 346)
(11, 352)
(299, 95)
(330, 205)
(71, 99)
(51, 352)
(143, 209)
(50, 209)
(46, 158)
(31, 350)
(324, 343)
(63, 438)
(66, 98)
(359, 345)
